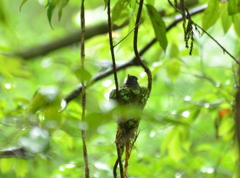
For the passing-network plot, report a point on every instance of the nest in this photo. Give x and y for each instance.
(127, 131)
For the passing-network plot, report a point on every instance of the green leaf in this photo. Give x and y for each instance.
(226, 129)
(236, 23)
(71, 130)
(63, 3)
(50, 10)
(166, 141)
(21, 167)
(93, 121)
(226, 19)
(117, 11)
(3, 69)
(211, 14)
(150, 2)
(23, 2)
(174, 147)
(47, 103)
(73, 110)
(173, 69)
(6, 164)
(2, 13)
(233, 7)
(12, 66)
(132, 4)
(158, 26)
(83, 75)
(185, 137)
(43, 97)
(106, 3)
(235, 151)
(52, 117)
(174, 51)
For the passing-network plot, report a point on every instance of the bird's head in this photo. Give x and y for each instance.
(131, 82)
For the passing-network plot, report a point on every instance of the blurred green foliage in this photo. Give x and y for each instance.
(187, 128)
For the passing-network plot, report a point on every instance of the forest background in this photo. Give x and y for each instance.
(188, 127)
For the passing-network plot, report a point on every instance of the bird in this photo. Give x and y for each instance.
(131, 82)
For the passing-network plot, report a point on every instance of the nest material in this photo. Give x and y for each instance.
(132, 98)
(127, 131)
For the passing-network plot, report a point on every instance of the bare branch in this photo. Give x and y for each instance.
(147, 70)
(126, 35)
(224, 50)
(83, 89)
(115, 169)
(111, 47)
(71, 39)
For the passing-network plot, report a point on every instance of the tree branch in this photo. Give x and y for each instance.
(73, 38)
(224, 50)
(14, 152)
(83, 89)
(147, 70)
(112, 47)
(126, 35)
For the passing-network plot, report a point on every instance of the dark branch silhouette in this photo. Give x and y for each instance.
(65, 41)
(138, 57)
(111, 46)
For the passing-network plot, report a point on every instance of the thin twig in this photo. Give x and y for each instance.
(119, 152)
(116, 81)
(115, 169)
(111, 47)
(224, 50)
(147, 70)
(235, 76)
(83, 89)
(126, 35)
(127, 155)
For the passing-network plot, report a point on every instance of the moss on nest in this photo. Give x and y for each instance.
(133, 96)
